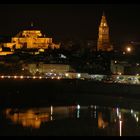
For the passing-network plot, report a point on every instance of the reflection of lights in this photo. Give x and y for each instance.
(78, 113)
(117, 111)
(51, 110)
(9, 77)
(51, 118)
(119, 116)
(132, 111)
(28, 118)
(78, 106)
(95, 107)
(137, 119)
(91, 106)
(135, 115)
(40, 77)
(95, 114)
(120, 128)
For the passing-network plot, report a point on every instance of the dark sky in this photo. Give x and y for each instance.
(72, 20)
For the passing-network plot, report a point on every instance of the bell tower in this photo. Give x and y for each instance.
(103, 36)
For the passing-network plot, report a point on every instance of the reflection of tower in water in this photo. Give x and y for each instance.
(101, 122)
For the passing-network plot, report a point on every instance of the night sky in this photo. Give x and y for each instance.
(73, 21)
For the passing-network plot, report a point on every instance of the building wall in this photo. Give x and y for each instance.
(46, 68)
(31, 39)
(116, 68)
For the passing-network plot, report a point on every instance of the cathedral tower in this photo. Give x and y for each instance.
(103, 36)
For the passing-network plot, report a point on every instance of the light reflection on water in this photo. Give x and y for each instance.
(115, 121)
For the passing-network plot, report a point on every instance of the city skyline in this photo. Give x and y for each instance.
(72, 21)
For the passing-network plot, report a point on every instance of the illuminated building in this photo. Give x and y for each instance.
(3, 52)
(46, 68)
(31, 39)
(103, 36)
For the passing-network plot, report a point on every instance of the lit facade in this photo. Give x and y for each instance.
(41, 68)
(31, 39)
(103, 36)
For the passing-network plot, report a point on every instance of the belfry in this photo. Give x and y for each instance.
(103, 36)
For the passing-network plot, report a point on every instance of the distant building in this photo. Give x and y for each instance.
(5, 52)
(42, 68)
(124, 68)
(103, 36)
(31, 39)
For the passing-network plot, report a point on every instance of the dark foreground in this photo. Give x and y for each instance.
(68, 107)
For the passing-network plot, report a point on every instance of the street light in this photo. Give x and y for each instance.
(128, 49)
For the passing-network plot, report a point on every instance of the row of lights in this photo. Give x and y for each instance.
(23, 77)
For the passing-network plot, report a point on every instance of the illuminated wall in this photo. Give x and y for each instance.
(31, 39)
(46, 68)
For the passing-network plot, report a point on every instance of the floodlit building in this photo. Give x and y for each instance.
(31, 39)
(103, 36)
(42, 68)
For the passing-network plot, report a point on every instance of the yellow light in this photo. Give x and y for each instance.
(119, 73)
(40, 77)
(67, 74)
(21, 77)
(15, 77)
(120, 128)
(128, 49)
(34, 77)
(2, 76)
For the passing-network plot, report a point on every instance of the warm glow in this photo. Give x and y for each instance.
(2, 76)
(101, 122)
(21, 77)
(128, 49)
(15, 77)
(34, 77)
(120, 128)
(67, 74)
(29, 118)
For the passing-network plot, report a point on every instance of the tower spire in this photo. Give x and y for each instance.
(103, 36)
